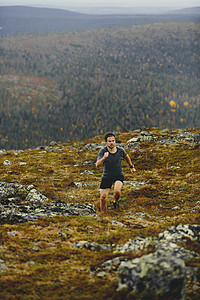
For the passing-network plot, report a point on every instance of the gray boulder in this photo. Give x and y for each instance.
(158, 275)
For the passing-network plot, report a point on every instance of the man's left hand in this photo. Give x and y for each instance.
(133, 170)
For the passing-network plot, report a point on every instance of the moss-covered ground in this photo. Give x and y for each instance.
(42, 264)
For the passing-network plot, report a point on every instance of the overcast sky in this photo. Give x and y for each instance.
(122, 3)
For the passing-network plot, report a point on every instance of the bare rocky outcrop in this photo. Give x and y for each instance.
(162, 274)
(143, 136)
(20, 203)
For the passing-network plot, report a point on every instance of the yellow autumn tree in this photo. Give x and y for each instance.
(172, 103)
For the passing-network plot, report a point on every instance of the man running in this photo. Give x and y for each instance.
(110, 156)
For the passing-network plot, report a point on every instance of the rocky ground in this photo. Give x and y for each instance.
(55, 243)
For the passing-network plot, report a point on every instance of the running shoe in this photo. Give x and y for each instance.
(115, 205)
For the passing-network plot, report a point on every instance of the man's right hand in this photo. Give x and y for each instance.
(106, 154)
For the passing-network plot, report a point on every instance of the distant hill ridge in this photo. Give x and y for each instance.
(27, 11)
(21, 10)
(189, 10)
(23, 19)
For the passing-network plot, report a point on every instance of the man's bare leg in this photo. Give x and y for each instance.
(103, 199)
(117, 192)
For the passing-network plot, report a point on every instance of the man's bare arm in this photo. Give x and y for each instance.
(128, 159)
(100, 161)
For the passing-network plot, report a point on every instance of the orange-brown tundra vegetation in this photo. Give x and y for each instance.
(40, 260)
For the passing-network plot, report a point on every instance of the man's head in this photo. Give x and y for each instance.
(110, 140)
(110, 134)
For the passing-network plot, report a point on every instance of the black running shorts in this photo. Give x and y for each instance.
(106, 183)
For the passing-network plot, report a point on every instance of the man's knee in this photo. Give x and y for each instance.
(103, 197)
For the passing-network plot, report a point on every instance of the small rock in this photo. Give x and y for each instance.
(91, 246)
(14, 233)
(62, 234)
(30, 263)
(197, 138)
(141, 214)
(145, 136)
(2, 151)
(135, 184)
(109, 265)
(117, 223)
(87, 162)
(87, 172)
(3, 267)
(52, 143)
(35, 248)
(195, 287)
(188, 175)
(133, 140)
(82, 184)
(176, 207)
(6, 163)
(35, 196)
(92, 146)
(101, 274)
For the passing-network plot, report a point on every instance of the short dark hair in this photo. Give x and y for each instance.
(108, 135)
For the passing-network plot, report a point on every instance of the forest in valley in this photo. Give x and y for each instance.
(72, 85)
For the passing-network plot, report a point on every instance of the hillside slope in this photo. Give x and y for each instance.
(52, 247)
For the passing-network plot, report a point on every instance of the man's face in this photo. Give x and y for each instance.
(111, 142)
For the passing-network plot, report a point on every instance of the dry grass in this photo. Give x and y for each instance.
(43, 265)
